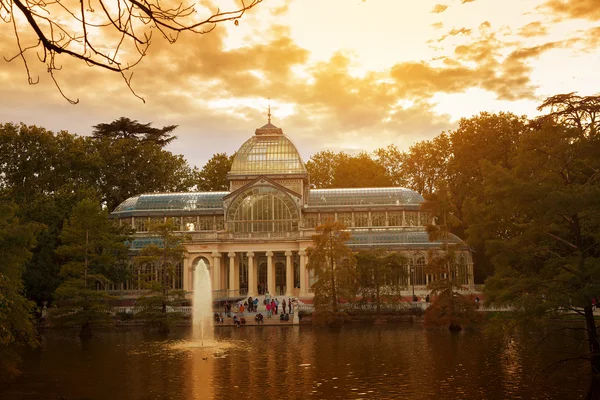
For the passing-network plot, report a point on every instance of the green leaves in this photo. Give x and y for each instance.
(333, 264)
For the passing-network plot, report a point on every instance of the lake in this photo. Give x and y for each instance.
(393, 361)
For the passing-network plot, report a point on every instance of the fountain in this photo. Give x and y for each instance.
(202, 308)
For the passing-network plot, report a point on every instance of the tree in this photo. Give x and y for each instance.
(449, 307)
(322, 167)
(392, 159)
(359, 171)
(381, 276)
(163, 260)
(339, 170)
(425, 164)
(94, 250)
(333, 264)
(124, 128)
(115, 37)
(213, 175)
(482, 138)
(16, 325)
(543, 224)
(126, 148)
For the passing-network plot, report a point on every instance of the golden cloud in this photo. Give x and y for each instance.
(586, 9)
(439, 8)
(533, 29)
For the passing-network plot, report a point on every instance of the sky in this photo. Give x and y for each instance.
(341, 75)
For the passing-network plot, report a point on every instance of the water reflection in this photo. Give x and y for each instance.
(382, 362)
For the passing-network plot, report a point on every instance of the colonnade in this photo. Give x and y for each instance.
(225, 271)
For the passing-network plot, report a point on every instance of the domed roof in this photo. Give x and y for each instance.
(269, 151)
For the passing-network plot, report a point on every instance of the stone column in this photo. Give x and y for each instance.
(231, 286)
(289, 274)
(303, 281)
(216, 270)
(186, 273)
(251, 275)
(270, 274)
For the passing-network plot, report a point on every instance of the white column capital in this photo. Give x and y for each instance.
(231, 254)
(269, 254)
(216, 254)
(288, 253)
(302, 253)
(250, 254)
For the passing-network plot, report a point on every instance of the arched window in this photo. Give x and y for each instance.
(263, 209)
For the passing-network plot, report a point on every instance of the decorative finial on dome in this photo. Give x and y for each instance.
(269, 113)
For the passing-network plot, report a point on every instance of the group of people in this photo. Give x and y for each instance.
(272, 307)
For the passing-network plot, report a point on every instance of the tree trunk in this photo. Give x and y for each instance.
(594, 390)
(86, 330)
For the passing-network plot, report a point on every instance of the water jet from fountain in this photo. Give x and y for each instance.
(202, 307)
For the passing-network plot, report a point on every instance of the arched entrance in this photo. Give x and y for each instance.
(194, 265)
(262, 277)
(279, 278)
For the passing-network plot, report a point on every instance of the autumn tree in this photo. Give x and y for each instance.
(213, 175)
(322, 167)
(425, 164)
(333, 264)
(381, 276)
(449, 307)
(114, 36)
(16, 323)
(93, 248)
(392, 159)
(156, 266)
(542, 224)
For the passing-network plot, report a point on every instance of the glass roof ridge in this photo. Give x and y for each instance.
(387, 196)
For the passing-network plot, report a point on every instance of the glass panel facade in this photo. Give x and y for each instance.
(361, 219)
(367, 196)
(345, 218)
(378, 219)
(263, 209)
(395, 218)
(269, 154)
(206, 224)
(394, 238)
(310, 220)
(141, 224)
(189, 224)
(423, 218)
(220, 223)
(411, 218)
(176, 221)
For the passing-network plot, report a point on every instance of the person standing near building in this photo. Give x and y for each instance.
(283, 306)
(290, 306)
(268, 310)
(273, 309)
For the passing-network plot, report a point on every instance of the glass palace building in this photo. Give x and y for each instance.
(254, 237)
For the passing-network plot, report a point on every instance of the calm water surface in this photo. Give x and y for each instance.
(371, 362)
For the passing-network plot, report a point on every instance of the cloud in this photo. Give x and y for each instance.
(454, 32)
(466, 1)
(533, 29)
(439, 8)
(585, 9)
(437, 25)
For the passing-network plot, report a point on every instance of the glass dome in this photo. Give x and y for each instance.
(268, 152)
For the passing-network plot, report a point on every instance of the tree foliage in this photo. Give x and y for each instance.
(381, 276)
(114, 36)
(449, 307)
(163, 260)
(543, 219)
(93, 248)
(16, 324)
(334, 266)
(213, 175)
